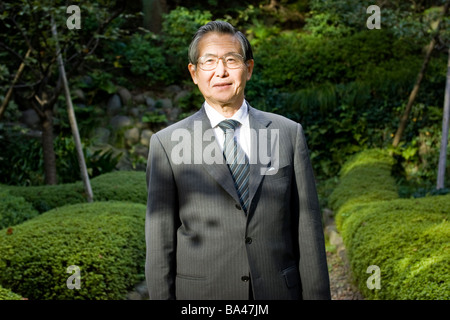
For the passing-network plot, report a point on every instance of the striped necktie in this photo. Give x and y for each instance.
(237, 161)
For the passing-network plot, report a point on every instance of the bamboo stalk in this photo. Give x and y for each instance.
(72, 118)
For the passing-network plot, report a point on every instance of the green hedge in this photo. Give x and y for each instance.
(14, 210)
(6, 294)
(408, 239)
(104, 239)
(118, 185)
(364, 178)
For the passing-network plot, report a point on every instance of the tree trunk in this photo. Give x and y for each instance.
(412, 96)
(47, 148)
(444, 139)
(153, 14)
(72, 119)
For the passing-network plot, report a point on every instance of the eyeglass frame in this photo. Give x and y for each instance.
(223, 58)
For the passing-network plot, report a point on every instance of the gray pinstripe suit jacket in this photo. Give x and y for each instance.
(201, 245)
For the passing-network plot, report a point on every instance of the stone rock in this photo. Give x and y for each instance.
(150, 102)
(335, 238)
(180, 95)
(78, 94)
(31, 118)
(124, 163)
(114, 105)
(173, 89)
(119, 121)
(141, 151)
(125, 95)
(172, 114)
(101, 135)
(131, 136)
(146, 134)
(166, 104)
(134, 112)
(141, 97)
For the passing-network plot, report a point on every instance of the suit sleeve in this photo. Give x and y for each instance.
(312, 264)
(161, 224)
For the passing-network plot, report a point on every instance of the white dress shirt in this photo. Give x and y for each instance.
(242, 132)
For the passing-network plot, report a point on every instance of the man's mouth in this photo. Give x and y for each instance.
(222, 85)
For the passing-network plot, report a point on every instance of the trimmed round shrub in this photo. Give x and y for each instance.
(47, 197)
(364, 178)
(6, 294)
(128, 186)
(14, 210)
(408, 239)
(104, 240)
(118, 185)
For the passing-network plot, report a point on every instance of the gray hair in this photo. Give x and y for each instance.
(221, 27)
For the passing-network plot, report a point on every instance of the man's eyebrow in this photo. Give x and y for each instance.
(210, 54)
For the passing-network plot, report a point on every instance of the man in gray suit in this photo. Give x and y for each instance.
(232, 208)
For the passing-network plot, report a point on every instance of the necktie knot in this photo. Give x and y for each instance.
(228, 125)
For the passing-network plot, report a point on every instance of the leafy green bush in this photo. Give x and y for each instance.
(104, 239)
(178, 27)
(121, 186)
(6, 294)
(364, 178)
(406, 238)
(147, 58)
(14, 210)
(21, 160)
(117, 185)
(46, 197)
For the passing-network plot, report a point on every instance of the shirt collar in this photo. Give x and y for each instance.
(215, 117)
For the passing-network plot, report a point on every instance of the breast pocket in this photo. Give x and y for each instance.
(274, 173)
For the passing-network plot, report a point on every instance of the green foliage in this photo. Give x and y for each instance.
(46, 197)
(406, 238)
(347, 92)
(6, 294)
(104, 239)
(14, 210)
(121, 186)
(147, 58)
(98, 161)
(295, 60)
(21, 160)
(117, 185)
(365, 177)
(178, 27)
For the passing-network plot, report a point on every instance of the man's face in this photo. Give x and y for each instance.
(221, 86)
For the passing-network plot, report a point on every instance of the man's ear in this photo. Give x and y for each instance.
(192, 70)
(250, 64)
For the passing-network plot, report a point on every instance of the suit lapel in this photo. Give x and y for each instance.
(218, 169)
(260, 158)
(258, 162)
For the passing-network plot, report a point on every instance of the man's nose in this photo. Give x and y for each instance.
(221, 69)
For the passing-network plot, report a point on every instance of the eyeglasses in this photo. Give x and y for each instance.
(231, 60)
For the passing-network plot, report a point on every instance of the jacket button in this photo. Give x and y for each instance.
(245, 278)
(238, 207)
(248, 240)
